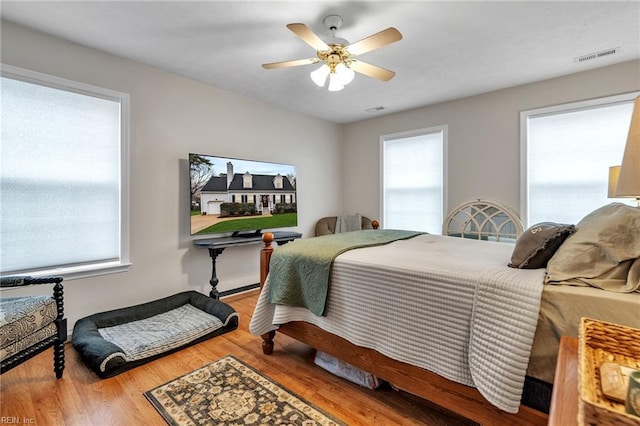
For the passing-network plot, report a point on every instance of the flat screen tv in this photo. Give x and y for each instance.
(241, 197)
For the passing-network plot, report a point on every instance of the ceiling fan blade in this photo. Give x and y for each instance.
(372, 70)
(287, 64)
(375, 41)
(308, 36)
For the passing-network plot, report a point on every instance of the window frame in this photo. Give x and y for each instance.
(444, 129)
(94, 268)
(568, 107)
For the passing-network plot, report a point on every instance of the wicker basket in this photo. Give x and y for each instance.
(604, 342)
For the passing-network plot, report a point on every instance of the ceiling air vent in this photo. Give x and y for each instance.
(374, 109)
(597, 55)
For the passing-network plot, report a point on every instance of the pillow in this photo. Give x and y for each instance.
(604, 252)
(537, 244)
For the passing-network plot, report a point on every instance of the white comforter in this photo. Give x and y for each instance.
(448, 305)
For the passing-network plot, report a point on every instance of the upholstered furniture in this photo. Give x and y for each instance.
(31, 324)
(327, 225)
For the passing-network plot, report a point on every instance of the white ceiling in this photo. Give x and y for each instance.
(450, 49)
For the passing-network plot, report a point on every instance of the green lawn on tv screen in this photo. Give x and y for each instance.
(253, 223)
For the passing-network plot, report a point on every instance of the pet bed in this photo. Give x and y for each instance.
(115, 341)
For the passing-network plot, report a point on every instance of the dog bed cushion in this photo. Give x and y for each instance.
(115, 341)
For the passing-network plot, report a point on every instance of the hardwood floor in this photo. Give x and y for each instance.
(30, 393)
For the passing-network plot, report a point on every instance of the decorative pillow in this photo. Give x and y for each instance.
(537, 244)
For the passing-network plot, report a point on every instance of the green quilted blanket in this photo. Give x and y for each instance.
(299, 271)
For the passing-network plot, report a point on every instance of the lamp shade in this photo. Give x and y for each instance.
(335, 84)
(344, 73)
(629, 178)
(320, 75)
(614, 173)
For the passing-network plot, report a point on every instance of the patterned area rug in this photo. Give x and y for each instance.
(229, 392)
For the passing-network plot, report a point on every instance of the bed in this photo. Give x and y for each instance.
(477, 346)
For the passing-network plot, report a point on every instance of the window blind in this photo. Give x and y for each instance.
(569, 152)
(413, 181)
(60, 179)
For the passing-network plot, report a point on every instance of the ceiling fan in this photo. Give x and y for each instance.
(337, 56)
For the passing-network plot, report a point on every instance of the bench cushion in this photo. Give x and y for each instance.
(48, 332)
(22, 316)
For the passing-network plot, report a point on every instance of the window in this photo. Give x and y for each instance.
(413, 175)
(64, 177)
(567, 152)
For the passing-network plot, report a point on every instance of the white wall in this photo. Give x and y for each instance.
(484, 137)
(170, 117)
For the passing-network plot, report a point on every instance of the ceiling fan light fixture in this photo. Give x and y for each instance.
(344, 73)
(337, 56)
(335, 84)
(319, 76)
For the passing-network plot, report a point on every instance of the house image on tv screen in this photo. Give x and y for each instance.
(264, 192)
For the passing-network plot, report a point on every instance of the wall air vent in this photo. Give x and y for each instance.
(596, 55)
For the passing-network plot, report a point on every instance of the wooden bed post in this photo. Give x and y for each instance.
(265, 257)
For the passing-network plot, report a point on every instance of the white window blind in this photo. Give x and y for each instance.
(413, 180)
(569, 150)
(63, 178)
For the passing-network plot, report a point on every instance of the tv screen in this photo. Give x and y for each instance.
(231, 195)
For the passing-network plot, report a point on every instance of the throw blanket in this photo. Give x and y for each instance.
(448, 305)
(348, 223)
(299, 271)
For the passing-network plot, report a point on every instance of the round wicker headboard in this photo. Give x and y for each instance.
(483, 220)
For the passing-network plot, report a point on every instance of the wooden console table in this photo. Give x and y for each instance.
(217, 245)
(564, 399)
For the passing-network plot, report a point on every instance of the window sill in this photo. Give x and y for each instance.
(84, 271)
